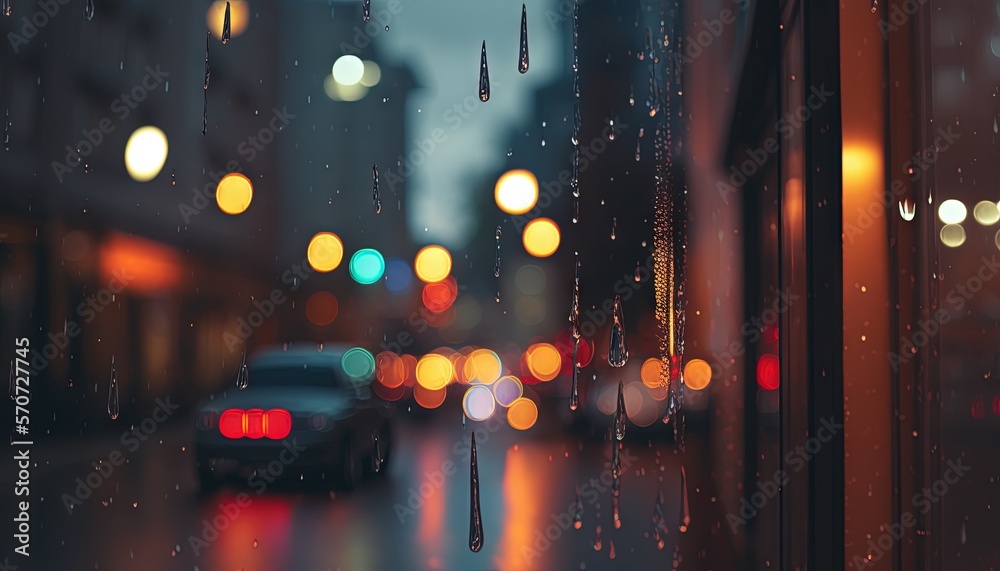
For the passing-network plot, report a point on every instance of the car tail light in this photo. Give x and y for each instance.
(231, 423)
(255, 423)
(207, 419)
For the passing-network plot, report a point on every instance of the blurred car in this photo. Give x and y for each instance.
(300, 413)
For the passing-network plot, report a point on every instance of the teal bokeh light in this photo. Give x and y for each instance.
(367, 266)
(358, 364)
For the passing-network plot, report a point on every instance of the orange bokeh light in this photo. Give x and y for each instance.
(322, 308)
(439, 296)
(138, 264)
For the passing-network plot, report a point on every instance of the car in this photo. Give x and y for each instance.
(299, 413)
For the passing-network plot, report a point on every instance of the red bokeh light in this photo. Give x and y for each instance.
(768, 372)
(439, 296)
(564, 344)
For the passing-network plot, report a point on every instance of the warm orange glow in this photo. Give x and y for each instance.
(234, 193)
(541, 237)
(861, 165)
(482, 366)
(325, 252)
(439, 296)
(429, 398)
(434, 371)
(321, 308)
(138, 264)
(390, 369)
(239, 17)
(522, 413)
(544, 361)
(650, 372)
(516, 191)
(432, 264)
(697, 374)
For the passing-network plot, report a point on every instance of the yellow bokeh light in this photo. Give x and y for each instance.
(145, 153)
(325, 252)
(372, 74)
(522, 414)
(432, 264)
(697, 374)
(482, 366)
(234, 193)
(541, 237)
(516, 191)
(348, 70)
(986, 213)
(544, 361)
(952, 235)
(434, 371)
(650, 372)
(239, 17)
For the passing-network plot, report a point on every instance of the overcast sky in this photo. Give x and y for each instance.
(441, 41)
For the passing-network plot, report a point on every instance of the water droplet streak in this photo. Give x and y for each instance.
(113, 408)
(618, 348)
(496, 266)
(208, 77)
(242, 376)
(685, 514)
(88, 10)
(376, 199)
(484, 76)
(476, 515)
(366, 10)
(522, 54)
(620, 413)
(226, 26)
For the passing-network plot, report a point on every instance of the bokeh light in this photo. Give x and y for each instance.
(541, 237)
(649, 373)
(367, 266)
(432, 264)
(238, 17)
(145, 153)
(522, 413)
(439, 296)
(234, 193)
(358, 364)
(952, 211)
(338, 92)
(507, 389)
(429, 398)
(768, 372)
(398, 276)
(434, 371)
(952, 235)
(584, 351)
(697, 374)
(390, 369)
(530, 279)
(530, 310)
(322, 308)
(482, 366)
(516, 191)
(348, 70)
(986, 213)
(479, 403)
(544, 361)
(325, 252)
(372, 74)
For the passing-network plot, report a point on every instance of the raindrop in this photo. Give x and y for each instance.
(5, 7)
(366, 10)
(996, 127)
(616, 468)
(616, 516)
(522, 54)
(226, 26)
(88, 10)
(476, 516)
(242, 377)
(484, 76)
(578, 510)
(6, 129)
(208, 76)
(638, 154)
(113, 392)
(685, 514)
(659, 521)
(597, 539)
(907, 209)
(510, 151)
(574, 319)
(173, 176)
(611, 549)
(620, 413)
(874, 6)
(496, 266)
(377, 459)
(637, 276)
(618, 349)
(463, 420)
(376, 200)
(962, 538)
(614, 224)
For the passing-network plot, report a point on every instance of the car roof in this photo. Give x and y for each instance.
(319, 356)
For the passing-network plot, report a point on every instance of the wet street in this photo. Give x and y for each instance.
(415, 517)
